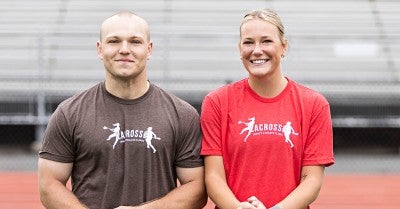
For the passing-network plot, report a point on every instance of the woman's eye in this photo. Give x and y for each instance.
(247, 42)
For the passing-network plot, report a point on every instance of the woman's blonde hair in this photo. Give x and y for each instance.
(266, 15)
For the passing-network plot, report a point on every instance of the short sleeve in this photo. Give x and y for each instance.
(211, 124)
(58, 142)
(319, 145)
(188, 153)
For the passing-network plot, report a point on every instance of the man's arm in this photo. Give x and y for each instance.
(53, 177)
(308, 189)
(191, 194)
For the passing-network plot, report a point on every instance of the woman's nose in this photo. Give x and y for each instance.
(257, 49)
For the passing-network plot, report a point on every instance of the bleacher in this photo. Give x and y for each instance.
(349, 50)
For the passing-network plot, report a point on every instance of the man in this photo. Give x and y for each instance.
(123, 173)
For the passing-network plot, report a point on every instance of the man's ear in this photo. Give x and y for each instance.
(150, 49)
(99, 50)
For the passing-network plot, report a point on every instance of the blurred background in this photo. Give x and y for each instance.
(349, 50)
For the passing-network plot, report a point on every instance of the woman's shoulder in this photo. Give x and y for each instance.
(226, 89)
(308, 93)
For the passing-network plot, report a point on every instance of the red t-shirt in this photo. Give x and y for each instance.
(265, 142)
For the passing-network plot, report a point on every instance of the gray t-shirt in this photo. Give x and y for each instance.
(124, 151)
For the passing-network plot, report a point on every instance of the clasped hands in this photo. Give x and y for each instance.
(251, 203)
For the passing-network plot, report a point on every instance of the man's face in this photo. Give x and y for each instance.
(124, 47)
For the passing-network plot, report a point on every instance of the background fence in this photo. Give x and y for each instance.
(349, 50)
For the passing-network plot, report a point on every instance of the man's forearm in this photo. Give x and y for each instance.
(58, 196)
(191, 195)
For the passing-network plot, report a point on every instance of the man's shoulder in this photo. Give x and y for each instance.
(171, 98)
(80, 97)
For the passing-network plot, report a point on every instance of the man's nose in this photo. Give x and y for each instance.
(124, 47)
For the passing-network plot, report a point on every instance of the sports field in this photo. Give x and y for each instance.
(345, 191)
(354, 182)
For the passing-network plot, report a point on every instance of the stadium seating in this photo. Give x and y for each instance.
(347, 50)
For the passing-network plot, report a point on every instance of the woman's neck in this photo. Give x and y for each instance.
(268, 87)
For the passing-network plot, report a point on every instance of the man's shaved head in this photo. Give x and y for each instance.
(127, 16)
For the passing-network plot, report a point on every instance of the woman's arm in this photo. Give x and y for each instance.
(216, 184)
(308, 189)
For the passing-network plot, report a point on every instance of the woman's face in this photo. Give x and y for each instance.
(261, 48)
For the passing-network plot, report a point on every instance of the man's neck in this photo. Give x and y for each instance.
(127, 89)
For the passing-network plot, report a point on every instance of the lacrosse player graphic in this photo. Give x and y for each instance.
(115, 133)
(287, 130)
(249, 127)
(148, 135)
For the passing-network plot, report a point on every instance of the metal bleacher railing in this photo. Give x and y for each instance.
(347, 50)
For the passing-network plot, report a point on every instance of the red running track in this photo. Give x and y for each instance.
(344, 191)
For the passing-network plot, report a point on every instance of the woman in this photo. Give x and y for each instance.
(266, 138)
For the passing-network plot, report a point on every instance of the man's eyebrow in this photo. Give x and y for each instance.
(111, 37)
(119, 37)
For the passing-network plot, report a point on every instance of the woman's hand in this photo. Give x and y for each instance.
(252, 203)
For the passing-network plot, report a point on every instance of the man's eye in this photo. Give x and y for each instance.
(136, 42)
(113, 41)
